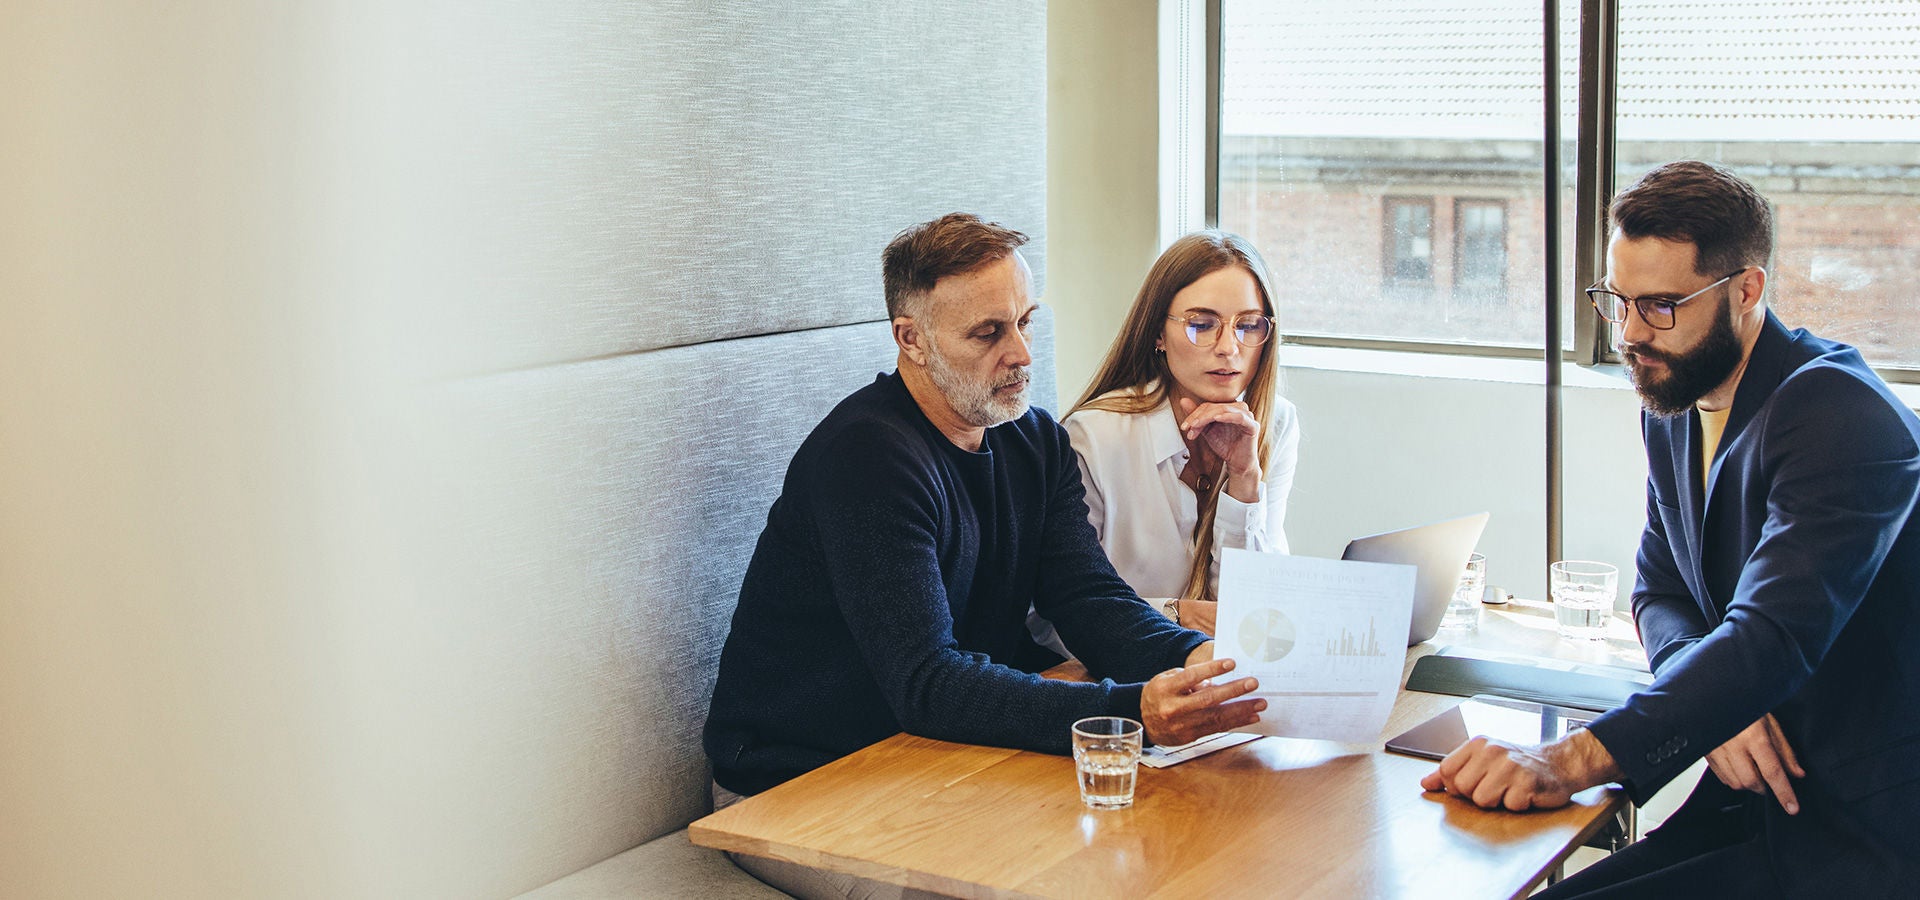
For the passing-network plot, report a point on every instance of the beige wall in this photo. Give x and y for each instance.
(391, 392)
(163, 659)
(1102, 172)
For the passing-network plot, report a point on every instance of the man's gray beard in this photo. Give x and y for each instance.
(974, 400)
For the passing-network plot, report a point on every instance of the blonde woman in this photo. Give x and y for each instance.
(1185, 445)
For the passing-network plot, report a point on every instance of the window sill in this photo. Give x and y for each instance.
(1464, 367)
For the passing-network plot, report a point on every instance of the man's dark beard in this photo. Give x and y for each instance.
(1692, 374)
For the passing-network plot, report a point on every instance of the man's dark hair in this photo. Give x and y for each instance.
(920, 256)
(1729, 224)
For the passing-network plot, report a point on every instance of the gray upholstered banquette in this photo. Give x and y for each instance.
(708, 289)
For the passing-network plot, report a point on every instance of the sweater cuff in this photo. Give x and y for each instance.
(1124, 700)
(1193, 642)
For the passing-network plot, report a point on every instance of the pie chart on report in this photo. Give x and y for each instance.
(1267, 634)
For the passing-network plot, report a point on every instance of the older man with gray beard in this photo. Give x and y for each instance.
(916, 525)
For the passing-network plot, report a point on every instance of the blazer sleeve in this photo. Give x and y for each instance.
(1832, 509)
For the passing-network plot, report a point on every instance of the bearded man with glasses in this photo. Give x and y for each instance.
(1778, 590)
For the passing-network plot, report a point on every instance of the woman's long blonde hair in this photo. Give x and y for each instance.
(1141, 378)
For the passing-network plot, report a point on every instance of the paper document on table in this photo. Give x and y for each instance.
(1325, 637)
(1158, 757)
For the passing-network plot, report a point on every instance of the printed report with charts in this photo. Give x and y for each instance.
(1325, 637)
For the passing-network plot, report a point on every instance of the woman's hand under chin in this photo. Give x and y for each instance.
(1231, 433)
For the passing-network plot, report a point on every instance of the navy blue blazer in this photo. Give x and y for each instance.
(1790, 583)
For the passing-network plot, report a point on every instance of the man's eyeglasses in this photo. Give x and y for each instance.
(1656, 312)
(1204, 328)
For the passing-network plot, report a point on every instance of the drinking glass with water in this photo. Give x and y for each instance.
(1583, 597)
(1106, 754)
(1463, 609)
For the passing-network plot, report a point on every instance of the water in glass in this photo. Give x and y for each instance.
(1106, 777)
(1106, 756)
(1583, 611)
(1463, 608)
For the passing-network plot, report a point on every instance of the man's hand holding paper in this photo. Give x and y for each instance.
(1182, 705)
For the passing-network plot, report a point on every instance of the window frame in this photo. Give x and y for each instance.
(1597, 83)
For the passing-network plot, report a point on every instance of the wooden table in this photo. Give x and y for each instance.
(1274, 817)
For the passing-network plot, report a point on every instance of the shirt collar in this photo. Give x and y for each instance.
(1163, 428)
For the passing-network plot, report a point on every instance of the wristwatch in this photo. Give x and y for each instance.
(1171, 607)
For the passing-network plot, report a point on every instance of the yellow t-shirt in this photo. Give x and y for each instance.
(1712, 425)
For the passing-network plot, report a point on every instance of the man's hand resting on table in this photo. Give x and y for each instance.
(1495, 774)
(1183, 705)
(1759, 759)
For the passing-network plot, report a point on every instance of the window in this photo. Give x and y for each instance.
(1425, 114)
(1819, 106)
(1428, 114)
(1410, 244)
(1479, 251)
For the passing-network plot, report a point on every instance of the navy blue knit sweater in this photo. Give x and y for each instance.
(889, 593)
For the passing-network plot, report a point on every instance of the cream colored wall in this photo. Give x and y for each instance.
(390, 394)
(164, 662)
(1102, 170)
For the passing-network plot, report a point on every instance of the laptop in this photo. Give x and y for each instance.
(1439, 551)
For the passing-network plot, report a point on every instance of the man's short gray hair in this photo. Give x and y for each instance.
(920, 256)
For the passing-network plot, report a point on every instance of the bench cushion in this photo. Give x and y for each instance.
(668, 866)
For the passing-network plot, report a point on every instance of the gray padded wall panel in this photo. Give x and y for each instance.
(587, 532)
(632, 251)
(589, 527)
(626, 177)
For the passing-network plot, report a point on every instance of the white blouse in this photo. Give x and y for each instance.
(1145, 517)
